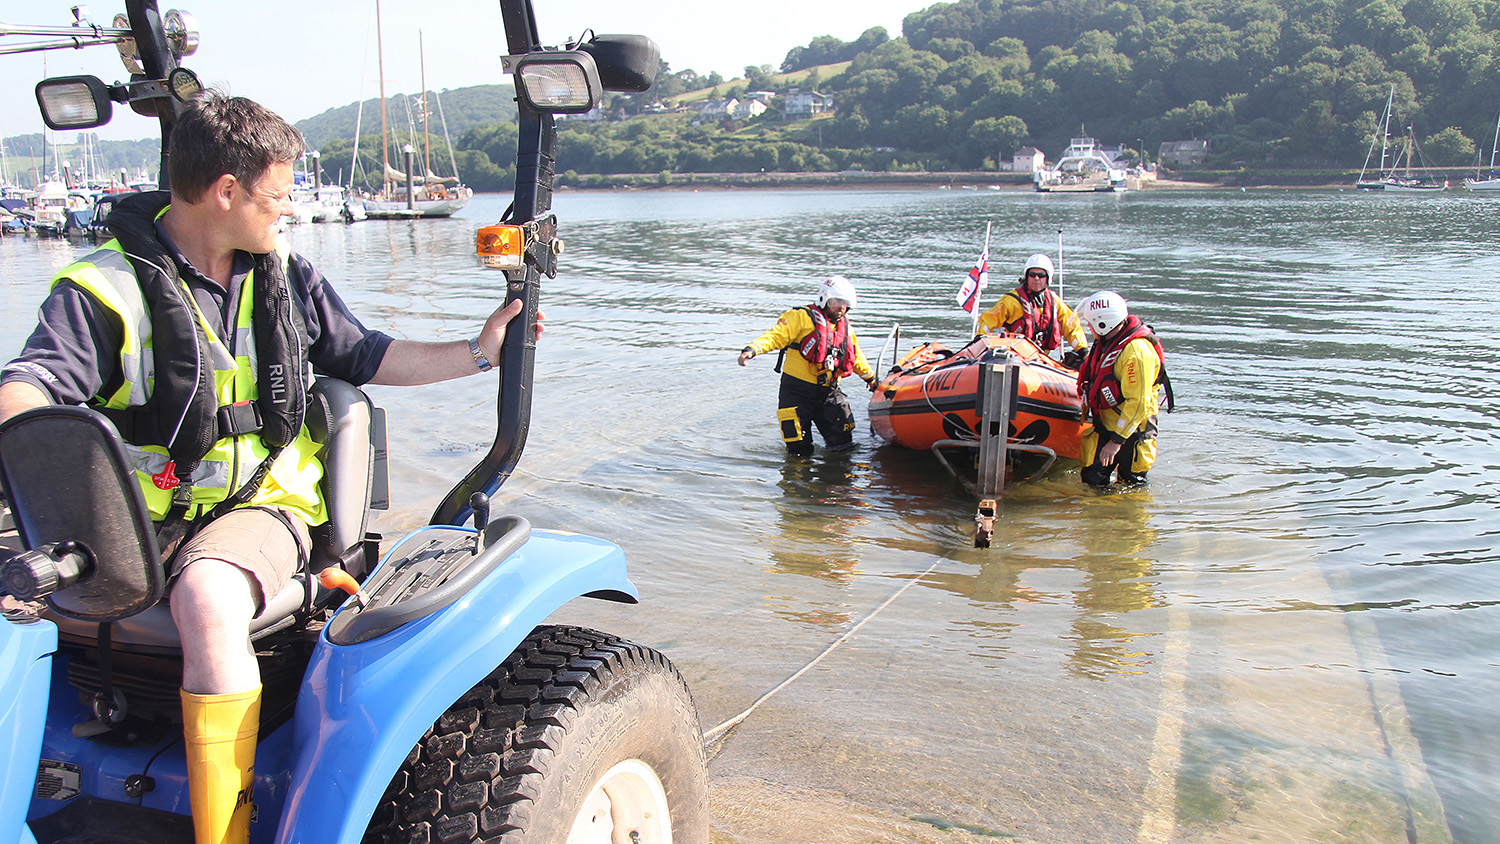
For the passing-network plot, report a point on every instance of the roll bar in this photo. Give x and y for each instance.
(536, 153)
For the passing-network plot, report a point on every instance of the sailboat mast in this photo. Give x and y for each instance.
(426, 137)
(385, 160)
(1495, 147)
(1385, 128)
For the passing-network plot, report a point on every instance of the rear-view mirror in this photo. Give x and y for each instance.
(626, 62)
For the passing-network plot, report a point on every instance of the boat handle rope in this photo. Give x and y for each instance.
(714, 739)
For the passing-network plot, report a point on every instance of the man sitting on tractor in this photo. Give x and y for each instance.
(208, 391)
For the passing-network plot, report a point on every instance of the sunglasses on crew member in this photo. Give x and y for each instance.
(1036, 273)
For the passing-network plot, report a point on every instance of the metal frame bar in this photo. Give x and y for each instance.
(535, 157)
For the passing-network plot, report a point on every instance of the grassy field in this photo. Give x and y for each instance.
(825, 71)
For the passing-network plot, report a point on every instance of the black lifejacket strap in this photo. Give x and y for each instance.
(246, 492)
(135, 424)
(175, 528)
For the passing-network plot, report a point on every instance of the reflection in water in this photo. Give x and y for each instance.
(817, 511)
(1097, 562)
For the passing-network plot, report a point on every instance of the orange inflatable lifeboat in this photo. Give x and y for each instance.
(933, 395)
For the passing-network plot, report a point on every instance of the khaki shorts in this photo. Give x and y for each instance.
(268, 549)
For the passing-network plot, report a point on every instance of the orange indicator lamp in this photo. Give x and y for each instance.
(500, 247)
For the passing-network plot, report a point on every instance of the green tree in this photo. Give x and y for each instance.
(995, 137)
(1449, 147)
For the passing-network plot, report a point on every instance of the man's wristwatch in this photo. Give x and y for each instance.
(479, 359)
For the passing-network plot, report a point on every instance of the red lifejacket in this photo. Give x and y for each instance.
(828, 346)
(1038, 322)
(1097, 384)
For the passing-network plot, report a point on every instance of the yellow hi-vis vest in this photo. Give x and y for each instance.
(292, 482)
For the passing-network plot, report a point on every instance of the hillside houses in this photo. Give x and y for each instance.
(796, 104)
(733, 108)
(1027, 160)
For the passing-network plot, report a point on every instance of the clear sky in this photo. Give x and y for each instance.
(300, 57)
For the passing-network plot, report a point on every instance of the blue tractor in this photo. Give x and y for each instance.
(410, 695)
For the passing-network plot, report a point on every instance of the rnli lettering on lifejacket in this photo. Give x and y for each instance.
(277, 373)
(1097, 385)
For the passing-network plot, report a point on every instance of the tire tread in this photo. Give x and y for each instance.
(478, 771)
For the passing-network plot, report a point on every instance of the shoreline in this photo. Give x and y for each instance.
(858, 180)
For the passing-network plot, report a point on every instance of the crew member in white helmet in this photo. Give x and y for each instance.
(1121, 381)
(1033, 311)
(818, 347)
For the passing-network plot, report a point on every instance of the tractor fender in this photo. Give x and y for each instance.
(363, 707)
(26, 648)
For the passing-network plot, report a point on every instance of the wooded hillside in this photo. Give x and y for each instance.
(1269, 83)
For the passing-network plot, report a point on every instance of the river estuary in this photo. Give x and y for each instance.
(1292, 635)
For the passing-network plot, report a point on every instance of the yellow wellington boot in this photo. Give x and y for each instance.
(219, 732)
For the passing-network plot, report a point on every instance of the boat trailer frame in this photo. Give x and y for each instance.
(999, 384)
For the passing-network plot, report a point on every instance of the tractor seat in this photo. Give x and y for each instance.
(349, 428)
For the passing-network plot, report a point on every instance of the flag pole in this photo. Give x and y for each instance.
(1059, 267)
(978, 294)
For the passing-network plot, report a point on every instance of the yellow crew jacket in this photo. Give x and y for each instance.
(291, 483)
(790, 330)
(1008, 310)
(1136, 368)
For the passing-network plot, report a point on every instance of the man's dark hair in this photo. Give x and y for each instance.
(218, 134)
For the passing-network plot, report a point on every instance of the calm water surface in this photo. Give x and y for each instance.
(1291, 635)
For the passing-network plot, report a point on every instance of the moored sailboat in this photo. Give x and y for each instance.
(407, 194)
(1398, 178)
(1406, 182)
(1492, 182)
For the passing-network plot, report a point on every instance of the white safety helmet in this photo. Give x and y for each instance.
(1039, 261)
(836, 287)
(1103, 312)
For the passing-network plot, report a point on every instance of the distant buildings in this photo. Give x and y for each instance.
(795, 104)
(800, 104)
(1182, 153)
(733, 108)
(1027, 160)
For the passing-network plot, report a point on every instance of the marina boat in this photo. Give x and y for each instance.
(1083, 168)
(435, 200)
(1492, 182)
(1401, 180)
(49, 208)
(1397, 178)
(930, 400)
(411, 194)
(14, 218)
(328, 204)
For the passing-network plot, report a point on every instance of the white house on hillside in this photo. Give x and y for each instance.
(1182, 153)
(1027, 160)
(718, 109)
(747, 109)
(800, 104)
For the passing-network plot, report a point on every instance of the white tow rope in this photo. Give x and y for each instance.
(715, 736)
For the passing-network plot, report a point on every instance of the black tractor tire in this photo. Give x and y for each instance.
(576, 733)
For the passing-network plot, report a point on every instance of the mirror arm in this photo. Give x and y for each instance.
(157, 61)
